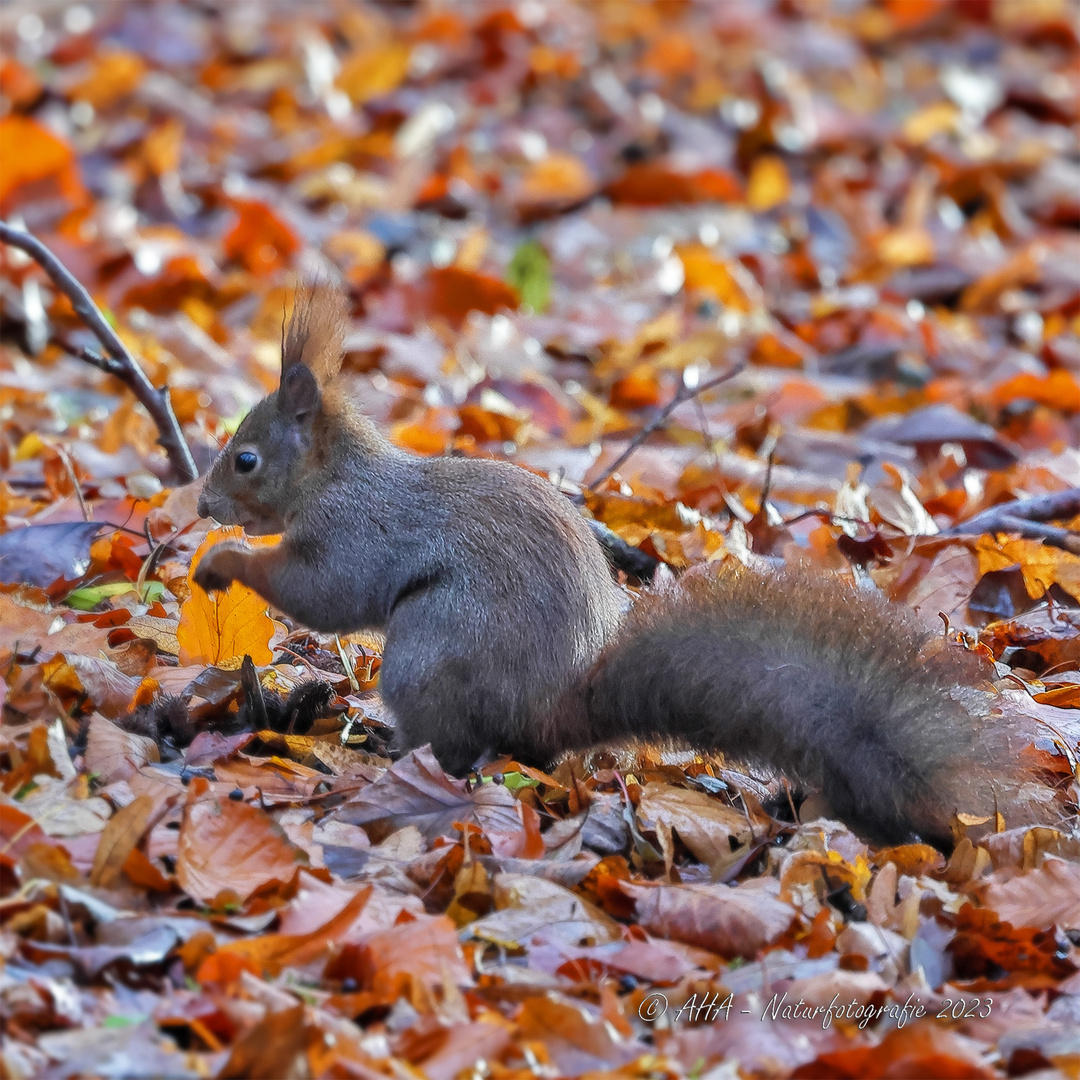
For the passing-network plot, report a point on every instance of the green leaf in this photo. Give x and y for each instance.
(116, 1021)
(516, 780)
(88, 598)
(530, 273)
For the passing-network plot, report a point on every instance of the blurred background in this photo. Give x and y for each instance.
(553, 219)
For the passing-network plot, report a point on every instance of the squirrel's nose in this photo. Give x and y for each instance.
(203, 507)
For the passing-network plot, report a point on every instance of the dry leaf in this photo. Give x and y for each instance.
(229, 848)
(224, 628)
(118, 839)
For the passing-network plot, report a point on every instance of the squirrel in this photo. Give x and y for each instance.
(505, 631)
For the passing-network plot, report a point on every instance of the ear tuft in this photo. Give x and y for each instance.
(299, 395)
(316, 332)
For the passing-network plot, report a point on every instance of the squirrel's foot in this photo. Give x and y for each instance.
(220, 566)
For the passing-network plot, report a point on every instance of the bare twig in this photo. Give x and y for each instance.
(621, 555)
(118, 361)
(1027, 517)
(684, 394)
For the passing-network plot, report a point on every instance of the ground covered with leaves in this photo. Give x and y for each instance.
(557, 222)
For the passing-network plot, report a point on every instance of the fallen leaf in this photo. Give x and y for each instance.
(260, 240)
(224, 628)
(769, 184)
(229, 848)
(425, 950)
(1043, 897)
(716, 834)
(416, 791)
(371, 72)
(42, 554)
(35, 158)
(118, 839)
(732, 922)
(114, 754)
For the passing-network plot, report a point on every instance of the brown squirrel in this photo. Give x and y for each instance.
(505, 631)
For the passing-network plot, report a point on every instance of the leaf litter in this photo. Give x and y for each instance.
(554, 220)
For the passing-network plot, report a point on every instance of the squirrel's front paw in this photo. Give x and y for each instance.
(219, 567)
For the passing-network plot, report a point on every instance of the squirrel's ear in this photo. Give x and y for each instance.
(316, 332)
(298, 396)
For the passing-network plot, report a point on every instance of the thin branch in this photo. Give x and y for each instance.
(1054, 535)
(1026, 517)
(1060, 504)
(118, 361)
(621, 555)
(683, 395)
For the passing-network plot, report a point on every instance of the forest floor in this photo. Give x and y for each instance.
(556, 222)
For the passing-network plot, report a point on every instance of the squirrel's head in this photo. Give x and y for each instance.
(257, 477)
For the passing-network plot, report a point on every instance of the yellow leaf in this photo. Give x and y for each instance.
(906, 246)
(939, 118)
(374, 71)
(222, 628)
(703, 271)
(769, 183)
(1040, 565)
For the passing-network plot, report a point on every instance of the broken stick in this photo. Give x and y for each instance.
(1027, 517)
(117, 360)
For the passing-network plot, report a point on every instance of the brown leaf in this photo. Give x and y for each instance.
(425, 950)
(653, 184)
(415, 791)
(118, 839)
(716, 834)
(107, 687)
(114, 754)
(272, 1049)
(1043, 897)
(231, 848)
(450, 293)
(924, 1049)
(732, 922)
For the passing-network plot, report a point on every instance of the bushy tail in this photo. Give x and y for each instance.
(836, 688)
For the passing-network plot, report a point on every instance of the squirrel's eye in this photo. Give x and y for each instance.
(246, 461)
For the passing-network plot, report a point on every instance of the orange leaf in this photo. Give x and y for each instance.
(32, 154)
(260, 241)
(227, 846)
(451, 293)
(223, 628)
(672, 53)
(113, 77)
(1057, 390)
(705, 272)
(906, 245)
(557, 181)
(270, 952)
